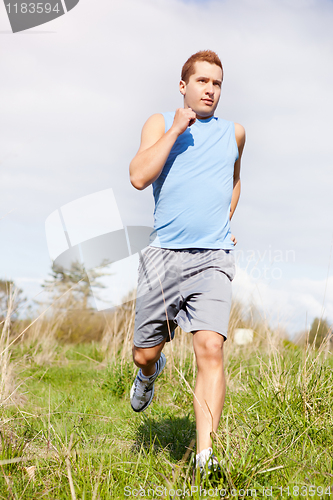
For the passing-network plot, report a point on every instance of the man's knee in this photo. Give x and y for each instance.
(144, 356)
(210, 347)
(140, 357)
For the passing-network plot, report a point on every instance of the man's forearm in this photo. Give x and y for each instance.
(235, 197)
(147, 165)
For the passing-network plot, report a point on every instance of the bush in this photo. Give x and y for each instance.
(119, 379)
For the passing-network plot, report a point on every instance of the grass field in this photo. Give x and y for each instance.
(67, 429)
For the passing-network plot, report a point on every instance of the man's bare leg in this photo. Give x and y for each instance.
(146, 357)
(210, 385)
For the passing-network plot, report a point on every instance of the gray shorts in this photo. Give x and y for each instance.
(190, 288)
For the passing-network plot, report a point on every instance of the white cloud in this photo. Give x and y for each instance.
(292, 304)
(76, 99)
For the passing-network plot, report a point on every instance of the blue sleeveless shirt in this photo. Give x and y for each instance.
(193, 192)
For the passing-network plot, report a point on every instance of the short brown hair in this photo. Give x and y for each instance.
(204, 55)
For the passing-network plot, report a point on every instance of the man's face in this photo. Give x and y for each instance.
(202, 92)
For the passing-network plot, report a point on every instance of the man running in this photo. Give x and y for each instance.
(192, 159)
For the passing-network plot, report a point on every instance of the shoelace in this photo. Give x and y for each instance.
(141, 388)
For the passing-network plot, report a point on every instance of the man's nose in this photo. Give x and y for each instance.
(210, 88)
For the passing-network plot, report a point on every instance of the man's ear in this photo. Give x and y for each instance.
(182, 87)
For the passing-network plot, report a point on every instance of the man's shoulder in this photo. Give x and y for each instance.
(155, 118)
(240, 134)
(152, 131)
(168, 117)
(168, 113)
(154, 123)
(162, 115)
(159, 119)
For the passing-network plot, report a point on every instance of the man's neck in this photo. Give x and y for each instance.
(200, 117)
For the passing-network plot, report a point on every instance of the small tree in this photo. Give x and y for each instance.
(76, 283)
(319, 331)
(5, 286)
(72, 313)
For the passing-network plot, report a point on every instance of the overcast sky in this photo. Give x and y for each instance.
(75, 93)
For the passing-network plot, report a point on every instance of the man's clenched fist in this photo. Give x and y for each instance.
(183, 118)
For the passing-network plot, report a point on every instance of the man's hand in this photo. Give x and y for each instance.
(156, 145)
(183, 118)
(233, 239)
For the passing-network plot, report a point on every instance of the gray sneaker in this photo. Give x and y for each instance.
(142, 391)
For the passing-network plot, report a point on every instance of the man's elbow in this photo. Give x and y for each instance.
(137, 183)
(136, 180)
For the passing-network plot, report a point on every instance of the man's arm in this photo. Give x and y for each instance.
(240, 139)
(156, 145)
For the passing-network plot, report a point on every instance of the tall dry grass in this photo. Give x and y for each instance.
(7, 381)
(61, 323)
(117, 340)
(267, 367)
(117, 336)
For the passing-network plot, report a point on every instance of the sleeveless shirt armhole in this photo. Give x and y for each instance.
(234, 132)
(168, 120)
(165, 123)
